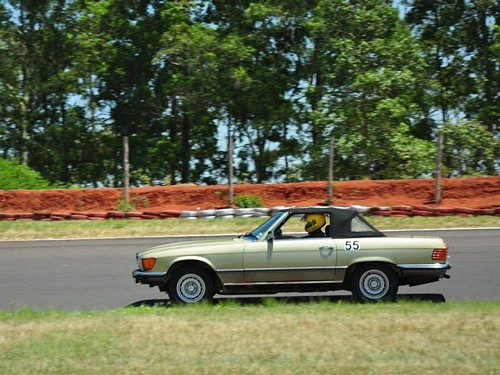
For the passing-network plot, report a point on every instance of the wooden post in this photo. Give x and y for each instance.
(126, 176)
(230, 166)
(439, 158)
(330, 171)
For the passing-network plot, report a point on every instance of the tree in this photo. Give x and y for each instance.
(371, 78)
(480, 37)
(469, 149)
(18, 80)
(186, 93)
(35, 85)
(281, 78)
(257, 100)
(459, 40)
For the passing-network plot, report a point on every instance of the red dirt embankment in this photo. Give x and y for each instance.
(478, 192)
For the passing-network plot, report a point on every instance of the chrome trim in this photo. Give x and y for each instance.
(283, 269)
(433, 266)
(139, 274)
(232, 270)
(290, 269)
(284, 283)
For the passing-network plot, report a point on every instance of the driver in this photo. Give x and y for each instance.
(314, 223)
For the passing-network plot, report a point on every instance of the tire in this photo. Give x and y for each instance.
(190, 285)
(374, 283)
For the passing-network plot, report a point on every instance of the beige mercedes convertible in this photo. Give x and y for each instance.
(296, 250)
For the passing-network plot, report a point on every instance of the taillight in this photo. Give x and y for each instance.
(148, 263)
(439, 254)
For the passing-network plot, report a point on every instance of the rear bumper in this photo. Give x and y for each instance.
(417, 274)
(150, 278)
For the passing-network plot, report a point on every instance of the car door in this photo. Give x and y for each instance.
(280, 260)
(290, 257)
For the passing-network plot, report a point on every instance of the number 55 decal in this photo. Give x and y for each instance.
(352, 245)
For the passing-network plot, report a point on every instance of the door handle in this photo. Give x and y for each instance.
(326, 248)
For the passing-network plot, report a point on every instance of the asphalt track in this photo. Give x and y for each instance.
(95, 274)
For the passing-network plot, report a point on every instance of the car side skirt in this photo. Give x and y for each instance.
(277, 287)
(280, 275)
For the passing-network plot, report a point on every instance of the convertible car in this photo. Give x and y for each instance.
(296, 250)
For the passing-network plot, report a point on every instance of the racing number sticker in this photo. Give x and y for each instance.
(352, 245)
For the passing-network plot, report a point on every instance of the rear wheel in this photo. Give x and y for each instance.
(190, 285)
(374, 283)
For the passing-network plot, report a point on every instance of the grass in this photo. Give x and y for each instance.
(270, 338)
(267, 338)
(21, 229)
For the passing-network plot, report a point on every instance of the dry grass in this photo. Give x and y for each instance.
(272, 338)
(19, 230)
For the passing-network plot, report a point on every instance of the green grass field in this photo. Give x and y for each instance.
(270, 338)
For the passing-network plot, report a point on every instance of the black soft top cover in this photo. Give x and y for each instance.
(340, 221)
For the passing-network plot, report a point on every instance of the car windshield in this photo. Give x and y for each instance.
(262, 229)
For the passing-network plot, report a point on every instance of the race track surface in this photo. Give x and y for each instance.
(95, 274)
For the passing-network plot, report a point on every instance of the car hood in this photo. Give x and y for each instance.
(198, 245)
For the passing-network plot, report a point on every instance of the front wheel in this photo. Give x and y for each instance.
(190, 285)
(374, 283)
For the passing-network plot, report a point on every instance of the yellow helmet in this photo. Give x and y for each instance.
(313, 222)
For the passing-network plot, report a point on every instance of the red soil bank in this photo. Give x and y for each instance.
(477, 192)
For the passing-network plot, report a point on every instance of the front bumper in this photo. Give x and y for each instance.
(150, 278)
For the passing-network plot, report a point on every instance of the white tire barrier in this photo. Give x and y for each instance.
(227, 213)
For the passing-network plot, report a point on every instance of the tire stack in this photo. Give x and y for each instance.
(229, 213)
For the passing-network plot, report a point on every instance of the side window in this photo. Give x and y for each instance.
(295, 227)
(358, 225)
(292, 228)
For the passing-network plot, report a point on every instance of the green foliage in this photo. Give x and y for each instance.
(13, 177)
(282, 77)
(247, 201)
(135, 202)
(124, 205)
(470, 150)
(460, 44)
